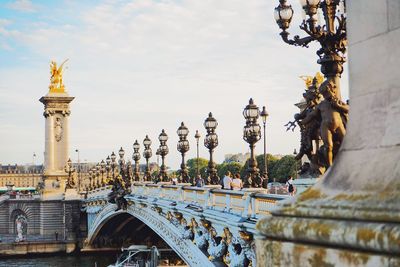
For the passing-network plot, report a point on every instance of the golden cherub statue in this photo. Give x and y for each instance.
(56, 79)
(310, 80)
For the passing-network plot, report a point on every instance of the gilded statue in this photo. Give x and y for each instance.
(322, 125)
(56, 78)
(310, 136)
(333, 114)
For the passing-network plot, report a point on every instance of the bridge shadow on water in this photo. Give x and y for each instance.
(124, 230)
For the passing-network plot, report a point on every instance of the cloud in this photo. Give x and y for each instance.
(22, 6)
(139, 66)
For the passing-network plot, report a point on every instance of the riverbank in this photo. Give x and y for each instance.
(37, 247)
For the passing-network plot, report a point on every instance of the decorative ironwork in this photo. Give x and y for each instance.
(211, 142)
(163, 151)
(183, 147)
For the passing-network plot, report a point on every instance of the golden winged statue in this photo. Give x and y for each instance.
(56, 78)
(309, 80)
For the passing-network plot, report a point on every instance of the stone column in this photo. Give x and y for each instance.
(49, 143)
(351, 217)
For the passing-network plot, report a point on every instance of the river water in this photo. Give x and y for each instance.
(92, 260)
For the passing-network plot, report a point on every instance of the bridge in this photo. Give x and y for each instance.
(205, 226)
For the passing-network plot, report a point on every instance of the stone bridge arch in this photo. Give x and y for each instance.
(185, 248)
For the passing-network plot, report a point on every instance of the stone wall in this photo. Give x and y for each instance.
(44, 217)
(352, 216)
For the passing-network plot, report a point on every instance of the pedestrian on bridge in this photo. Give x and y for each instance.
(237, 183)
(227, 181)
(199, 181)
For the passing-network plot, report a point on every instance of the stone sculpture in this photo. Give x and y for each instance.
(322, 123)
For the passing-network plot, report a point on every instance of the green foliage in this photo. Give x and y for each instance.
(271, 162)
(192, 165)
(283, 168)
(233, 167)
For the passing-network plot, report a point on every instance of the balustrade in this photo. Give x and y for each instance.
(250, 203)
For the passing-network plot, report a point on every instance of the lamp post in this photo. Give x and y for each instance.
(197, 136)
(108, 168)
(163, 151)
(124, 169)
(211, 142)
(264, 114)
(136, 158)
(70, 170)
(183, 147)
(147, 153)
(331, 35)
(89, 186)
(295, 163)
(97, 175)
(113, 166)
(102, 171)
(251, 134)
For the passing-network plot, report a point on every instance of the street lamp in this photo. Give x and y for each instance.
(183, 147)
(136, 158)
(197, 136)
(251, 134)
(70, 170)
(264, 114)
(79, 169)
(89, 187)
(97, 172)
(102, 171)
(147, 153)
(113, 165)
(163, 151)
(331, 36)
(125, 170)
(295, 163)
(108, 168)
(211, 142)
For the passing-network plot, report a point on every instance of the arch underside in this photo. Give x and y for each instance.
(188, 251)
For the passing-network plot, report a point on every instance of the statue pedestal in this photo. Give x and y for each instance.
(71, 194)
(54, 186)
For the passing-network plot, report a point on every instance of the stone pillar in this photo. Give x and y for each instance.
(56, 105)
(351, 216)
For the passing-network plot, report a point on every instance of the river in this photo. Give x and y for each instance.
(78, 260)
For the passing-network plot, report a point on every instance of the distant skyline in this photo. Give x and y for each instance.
(137, 67)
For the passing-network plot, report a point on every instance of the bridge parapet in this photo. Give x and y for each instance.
(206, 219)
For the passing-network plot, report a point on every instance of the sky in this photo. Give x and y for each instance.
(137, 67)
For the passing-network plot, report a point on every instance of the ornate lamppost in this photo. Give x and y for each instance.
(136, 158)
(108, 168)
(147, 153)
(211, 142)
(98, 180)
(331, 35)
(197, 136)
(102, 171)
(163, 151)
(295, 163)
(70, 170)
(89, 186)
(264, 114)
(94, 181)
(183, 147)
(124, 169)
(251, 134)
(113, 165)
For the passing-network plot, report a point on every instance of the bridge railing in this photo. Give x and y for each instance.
(248, 203)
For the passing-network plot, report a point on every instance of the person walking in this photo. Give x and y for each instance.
(227, 181)
(199, 181)
(290, 186)
(237, 183)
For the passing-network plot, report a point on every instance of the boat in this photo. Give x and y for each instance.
(142, 256)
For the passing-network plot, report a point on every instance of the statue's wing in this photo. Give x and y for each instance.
(60, 69)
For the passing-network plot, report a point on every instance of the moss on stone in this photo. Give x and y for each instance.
(365, 235)
(311, 193)
(353, 259)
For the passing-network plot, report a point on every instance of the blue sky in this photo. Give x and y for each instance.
(136, 67)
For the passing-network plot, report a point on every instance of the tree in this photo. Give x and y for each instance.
(284, 168)
(271, 162)
(192, 165)
(233, 167)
